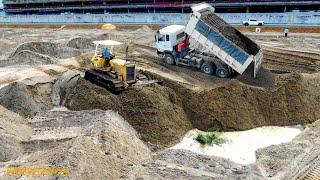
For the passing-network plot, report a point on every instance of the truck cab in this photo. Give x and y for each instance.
(173, 46)
(169, 37)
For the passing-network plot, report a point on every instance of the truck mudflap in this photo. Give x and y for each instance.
(257, 62)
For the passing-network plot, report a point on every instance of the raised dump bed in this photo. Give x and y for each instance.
(221, 39)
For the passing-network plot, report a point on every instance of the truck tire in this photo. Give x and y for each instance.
(246, 24)
(260, 24)
(168, 58)
(208, 68)
(222, 72)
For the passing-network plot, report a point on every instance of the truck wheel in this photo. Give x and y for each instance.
(168, 58)
(222, 72)
(208, 68)
(260, 24)
(246, 24)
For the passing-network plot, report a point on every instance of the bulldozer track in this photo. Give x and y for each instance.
(311, 171)
(308, 166)
(144, 46)
(304, 56)
(292, 58)
(272, 60)
(49, 128)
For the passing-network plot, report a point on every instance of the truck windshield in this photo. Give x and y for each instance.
(161, 37)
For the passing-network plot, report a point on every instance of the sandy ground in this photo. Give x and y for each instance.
(239, 146)
(42, 93)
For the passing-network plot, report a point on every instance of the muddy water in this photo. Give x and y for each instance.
(240, 146)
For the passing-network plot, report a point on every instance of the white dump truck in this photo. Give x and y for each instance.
(225, 50)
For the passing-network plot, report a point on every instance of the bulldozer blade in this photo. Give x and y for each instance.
(145, 83)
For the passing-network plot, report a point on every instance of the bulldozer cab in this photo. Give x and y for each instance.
(102, 60)
(106, 43)
(106, 61)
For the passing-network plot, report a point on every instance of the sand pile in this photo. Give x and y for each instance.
(163, 114)
(63, 86)
(263, 79)
(11, 126)
(81, 43)
(51, 49)
(293, 102)
(80, 155)
(27, 97)
(106, 128)
(103, 145)
(27, 57)
(155, 112)
(183, 164)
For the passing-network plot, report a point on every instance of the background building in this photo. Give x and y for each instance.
(153, 6)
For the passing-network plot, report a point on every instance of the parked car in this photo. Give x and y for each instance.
(253, 22)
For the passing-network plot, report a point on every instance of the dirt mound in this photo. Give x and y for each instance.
(47, 48)
(107, 128)
(24, 99)
(263, 79)
(155, 112)
(162, 114)
(183, 164)
(236, 106)
(27, 57)
(103, 145)
(63, 87)
(11, 126)
(104, 36)
(81, 43)
(82, 157)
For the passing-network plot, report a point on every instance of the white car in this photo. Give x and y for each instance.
(253, 22)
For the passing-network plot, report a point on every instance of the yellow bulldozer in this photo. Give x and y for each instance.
(113, 73)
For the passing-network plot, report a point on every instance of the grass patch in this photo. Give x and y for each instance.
(209, 139)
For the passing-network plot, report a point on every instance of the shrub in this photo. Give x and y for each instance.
(209, 139)
(201, 139)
